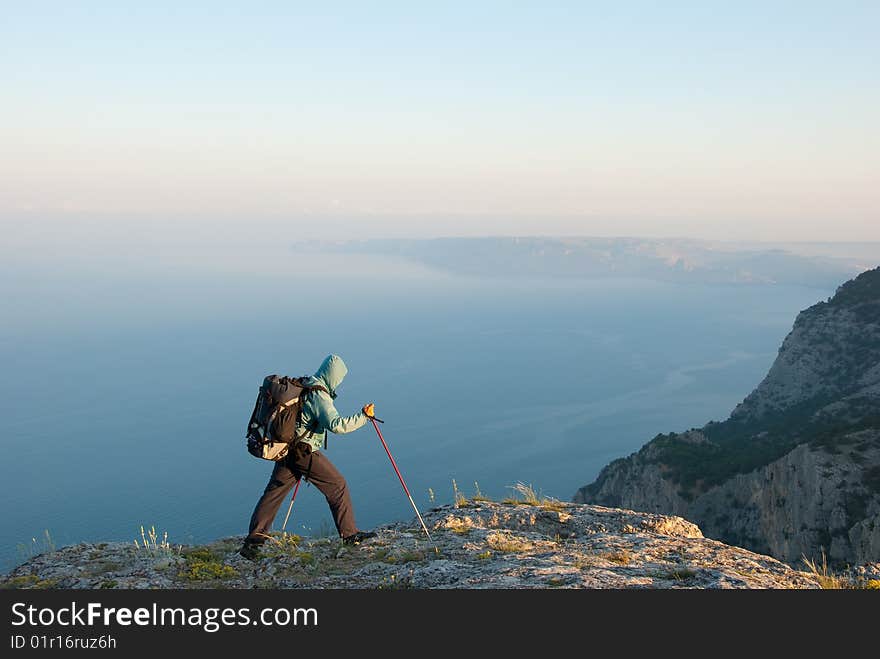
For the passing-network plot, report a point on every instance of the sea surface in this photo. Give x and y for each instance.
(127, 381)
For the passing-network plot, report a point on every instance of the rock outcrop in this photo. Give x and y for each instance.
(480, 544)
(795, 470)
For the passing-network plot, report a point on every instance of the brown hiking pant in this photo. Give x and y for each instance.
(322, 474)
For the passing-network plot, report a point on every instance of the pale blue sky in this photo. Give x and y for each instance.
(739, 120)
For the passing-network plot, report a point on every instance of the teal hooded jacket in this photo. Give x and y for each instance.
(319, 414)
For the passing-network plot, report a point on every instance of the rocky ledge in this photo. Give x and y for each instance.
(477, 544)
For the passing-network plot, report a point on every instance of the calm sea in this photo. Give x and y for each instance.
(127, 382)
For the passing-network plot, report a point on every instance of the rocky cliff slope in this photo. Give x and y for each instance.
(795, 470)
(479, 544)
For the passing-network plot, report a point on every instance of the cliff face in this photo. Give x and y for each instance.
(481, 544)
(806, 499)
(795, 470)
(829, 364)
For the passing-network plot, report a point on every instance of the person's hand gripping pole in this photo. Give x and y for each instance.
(369, 409)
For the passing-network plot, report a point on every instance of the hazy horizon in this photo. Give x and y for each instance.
(85, 231)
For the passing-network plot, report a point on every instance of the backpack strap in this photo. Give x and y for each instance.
(307, 389)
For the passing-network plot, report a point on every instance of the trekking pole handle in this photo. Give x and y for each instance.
(375, 418)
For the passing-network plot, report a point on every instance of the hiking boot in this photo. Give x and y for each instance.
(250, 550)
(357, 538)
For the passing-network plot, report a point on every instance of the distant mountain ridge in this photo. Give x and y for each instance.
(665, 260)
(795, 470)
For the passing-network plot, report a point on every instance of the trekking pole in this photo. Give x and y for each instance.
(405, 489)
(290, 507)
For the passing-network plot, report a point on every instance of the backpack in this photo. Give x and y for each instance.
(272, 428)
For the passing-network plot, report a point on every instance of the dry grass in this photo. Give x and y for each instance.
(152, 546)
(286, 544)
(505, 542)
(29, 581)
(827, 579)
(459, 526)
(459, 497)
(622, 557)
(830, 581)
(406, 557)
(45, 545)
(479, 496)
(529, 497)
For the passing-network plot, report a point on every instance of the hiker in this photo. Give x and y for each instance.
(319, 415)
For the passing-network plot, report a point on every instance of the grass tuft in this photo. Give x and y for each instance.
(201, 564)
(621, 557)
(459, 498)
(479, 496)
(459, 526)
(152, 546)
(411, 556)
(827, 579)
(305, 557)
(198, 570)
(28, 581)
(500, 541)
(527, 494)
(285, 544)
(45, 545)
(529, 497)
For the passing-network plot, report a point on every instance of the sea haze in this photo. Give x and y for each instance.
(127, 381)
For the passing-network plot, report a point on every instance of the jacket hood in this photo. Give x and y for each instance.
(331, 373)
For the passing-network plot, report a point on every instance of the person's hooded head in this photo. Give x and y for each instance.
(331, 373)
